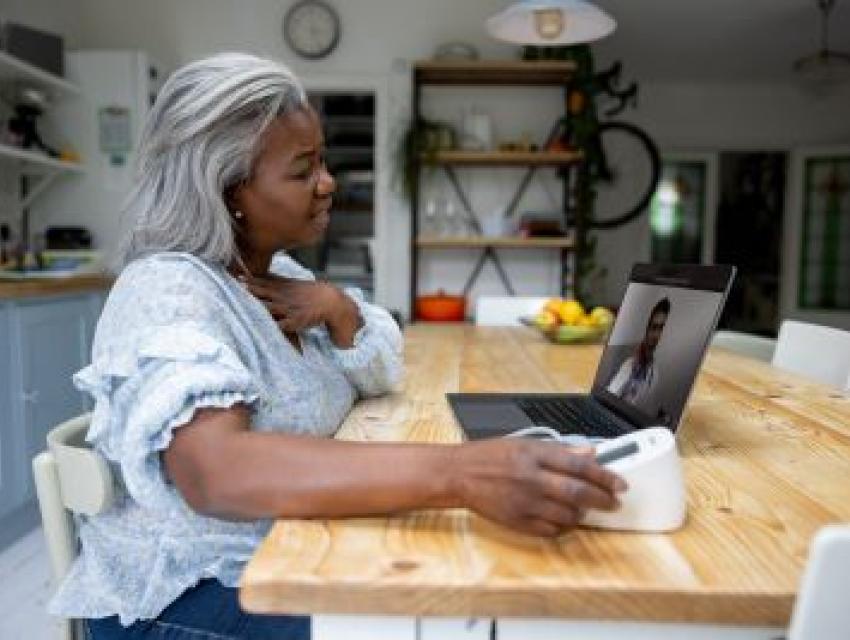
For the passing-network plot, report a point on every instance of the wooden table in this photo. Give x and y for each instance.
(767, 462)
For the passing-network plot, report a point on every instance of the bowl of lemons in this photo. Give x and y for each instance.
(567, 322)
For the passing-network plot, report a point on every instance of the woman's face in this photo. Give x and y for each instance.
(286, 201)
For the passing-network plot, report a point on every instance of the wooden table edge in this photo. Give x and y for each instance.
(612, 603)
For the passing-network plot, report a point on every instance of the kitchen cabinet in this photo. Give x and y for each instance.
(9, 492)
(44, 341)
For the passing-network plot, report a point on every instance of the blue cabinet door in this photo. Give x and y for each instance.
(53, 338)
(11, 492)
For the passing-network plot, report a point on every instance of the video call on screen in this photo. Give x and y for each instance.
(655, 350)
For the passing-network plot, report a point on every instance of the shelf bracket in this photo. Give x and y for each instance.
(488, 253)
(45, 181)
(520, 191)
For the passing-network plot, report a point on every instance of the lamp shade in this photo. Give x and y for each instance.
(824, 71)
(550, 22)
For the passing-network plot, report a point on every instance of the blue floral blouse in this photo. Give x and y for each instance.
(177, 334)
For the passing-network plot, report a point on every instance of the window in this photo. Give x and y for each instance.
(825, 251)
(677, 211)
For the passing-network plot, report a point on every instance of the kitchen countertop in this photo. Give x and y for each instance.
(14, 289)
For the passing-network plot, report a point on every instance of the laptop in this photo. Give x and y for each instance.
(647, 369)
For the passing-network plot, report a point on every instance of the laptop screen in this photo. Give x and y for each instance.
(658, 341)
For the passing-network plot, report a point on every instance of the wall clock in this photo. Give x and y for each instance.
(311, 28)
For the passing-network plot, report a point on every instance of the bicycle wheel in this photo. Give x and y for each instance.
(627, 179)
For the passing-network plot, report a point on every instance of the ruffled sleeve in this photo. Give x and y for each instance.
(373, 364)
(157, 358)
(174, 372)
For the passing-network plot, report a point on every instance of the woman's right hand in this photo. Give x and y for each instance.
(541, 488)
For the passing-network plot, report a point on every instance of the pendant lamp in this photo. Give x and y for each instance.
(550, 22)
(825, 68)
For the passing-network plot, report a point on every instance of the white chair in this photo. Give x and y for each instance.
(820, 353)
(506, 311)
(70, 477)
(820, 610)
(745, 344)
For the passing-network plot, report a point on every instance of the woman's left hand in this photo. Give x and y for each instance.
(297, 305)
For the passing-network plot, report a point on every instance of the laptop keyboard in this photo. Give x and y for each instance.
(571, 417)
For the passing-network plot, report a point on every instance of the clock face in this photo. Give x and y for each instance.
(311, 28)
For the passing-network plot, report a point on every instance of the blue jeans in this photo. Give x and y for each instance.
(208, 611)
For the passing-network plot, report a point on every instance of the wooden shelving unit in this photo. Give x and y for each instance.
(506, 242)
(494, 73)
(489, 73)
(504, 158)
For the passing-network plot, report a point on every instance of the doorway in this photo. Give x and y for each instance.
(749, 235)
(345, 255)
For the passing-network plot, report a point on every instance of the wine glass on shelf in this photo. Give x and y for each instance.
(453, 224)
(431, 218)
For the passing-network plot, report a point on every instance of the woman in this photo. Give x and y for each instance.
(220, 368)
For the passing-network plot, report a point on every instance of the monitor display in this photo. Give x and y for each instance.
(655, 350)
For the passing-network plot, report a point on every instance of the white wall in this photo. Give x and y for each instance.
(381, 37)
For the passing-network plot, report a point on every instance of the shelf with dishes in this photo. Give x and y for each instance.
(13, 69)
(503, 158)
(30, 91)
(494, 72)
(495, 242)
(37, 163)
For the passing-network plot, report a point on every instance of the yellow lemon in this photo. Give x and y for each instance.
(570, 311)
(602, 317)
(545, 320)
(552, 305)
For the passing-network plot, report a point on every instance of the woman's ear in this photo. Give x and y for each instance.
(232, 197)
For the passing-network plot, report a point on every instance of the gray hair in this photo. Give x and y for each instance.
(200, 141)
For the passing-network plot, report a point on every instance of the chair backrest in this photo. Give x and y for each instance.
(70, 477)
(506, 311)
(820, 353)
(820, 610)
(745, 344)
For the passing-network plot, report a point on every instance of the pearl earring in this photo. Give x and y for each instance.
(237, 214)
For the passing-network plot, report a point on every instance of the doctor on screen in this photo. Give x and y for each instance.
(637, 377)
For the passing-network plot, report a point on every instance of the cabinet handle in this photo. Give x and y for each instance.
(30, 396)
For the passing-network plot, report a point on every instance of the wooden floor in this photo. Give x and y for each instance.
(25, 590)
